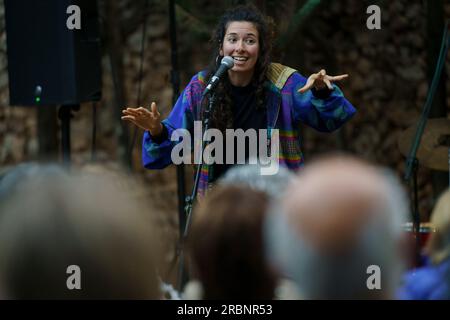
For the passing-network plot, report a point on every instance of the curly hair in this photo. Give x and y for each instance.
(221, 116)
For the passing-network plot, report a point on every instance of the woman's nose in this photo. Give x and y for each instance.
(240, 46)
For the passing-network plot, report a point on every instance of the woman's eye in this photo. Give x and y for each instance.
(232, 40)
(250, 41)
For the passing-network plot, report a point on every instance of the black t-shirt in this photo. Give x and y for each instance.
(246, 116)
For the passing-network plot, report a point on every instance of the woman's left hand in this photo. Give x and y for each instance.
(321, 80)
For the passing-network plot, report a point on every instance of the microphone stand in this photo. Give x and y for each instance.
(65, 114)
(190, 199)
(412, 163)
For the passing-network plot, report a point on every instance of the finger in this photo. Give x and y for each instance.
(313, 78)
(319, 76)
(132, 113)
(308, 85)
(328, 83)
(129, 118)
(142, 110)
(131, 109)
(133, 121)
(303, 89)
(154, 109)
(338, 78)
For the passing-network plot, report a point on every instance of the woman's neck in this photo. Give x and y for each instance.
(240, 79)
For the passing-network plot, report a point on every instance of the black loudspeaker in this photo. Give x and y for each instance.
(49, 64)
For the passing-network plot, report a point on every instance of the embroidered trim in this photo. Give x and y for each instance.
(279, 74)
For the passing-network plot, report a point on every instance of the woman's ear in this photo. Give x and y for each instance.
(221, 51)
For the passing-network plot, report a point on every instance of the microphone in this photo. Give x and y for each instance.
(226, 63)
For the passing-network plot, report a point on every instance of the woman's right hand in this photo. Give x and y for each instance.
(149, 120)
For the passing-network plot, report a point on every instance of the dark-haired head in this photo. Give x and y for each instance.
(226, 245)
(222, 116)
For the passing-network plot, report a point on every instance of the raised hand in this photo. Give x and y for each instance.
(321, 80)
(149, 120)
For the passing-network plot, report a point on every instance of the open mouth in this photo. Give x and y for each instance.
(240, 58)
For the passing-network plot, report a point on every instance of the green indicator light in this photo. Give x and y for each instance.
(37, 94)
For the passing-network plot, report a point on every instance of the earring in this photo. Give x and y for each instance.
(217, 60)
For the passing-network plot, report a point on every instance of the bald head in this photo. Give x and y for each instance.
(332, 199)
(339, 216)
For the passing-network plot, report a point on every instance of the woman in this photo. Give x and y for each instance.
(226, 247)
(254, 94)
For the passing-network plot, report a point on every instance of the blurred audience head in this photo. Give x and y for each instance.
(23, 173)
(63, 231)
(438, 247)
(249, 175)
(339, 219)
(226, 245)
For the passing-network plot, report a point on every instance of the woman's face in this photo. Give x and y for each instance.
(241, 42)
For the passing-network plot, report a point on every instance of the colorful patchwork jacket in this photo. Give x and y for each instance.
(286, 110)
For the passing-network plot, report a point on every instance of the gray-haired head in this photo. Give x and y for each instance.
(342, 218)
(250, 175)
(12, 179)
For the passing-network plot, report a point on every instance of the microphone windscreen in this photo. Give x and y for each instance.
(228, 61)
